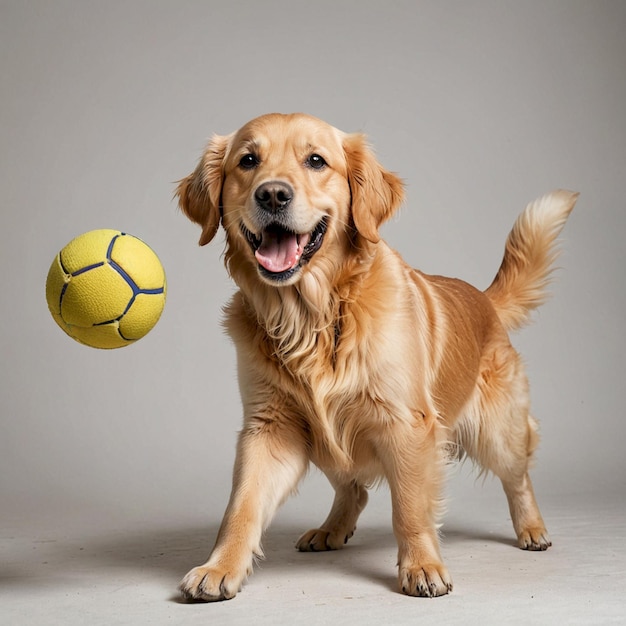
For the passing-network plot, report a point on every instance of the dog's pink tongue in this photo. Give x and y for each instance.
(279, 251)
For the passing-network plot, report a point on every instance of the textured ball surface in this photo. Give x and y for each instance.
(106, 289)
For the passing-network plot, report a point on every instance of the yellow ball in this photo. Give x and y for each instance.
(106, 289)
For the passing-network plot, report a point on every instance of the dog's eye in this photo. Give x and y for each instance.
(316, 162)
(248, 161)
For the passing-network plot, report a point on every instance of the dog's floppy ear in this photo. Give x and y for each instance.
(199, 194)
(376, 193)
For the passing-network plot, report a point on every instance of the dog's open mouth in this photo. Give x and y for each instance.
(281, 252)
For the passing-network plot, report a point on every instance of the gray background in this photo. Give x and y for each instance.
(479, 106)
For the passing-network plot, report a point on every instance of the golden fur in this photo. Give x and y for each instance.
(352, 360)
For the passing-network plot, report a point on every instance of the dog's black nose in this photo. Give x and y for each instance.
(273, 196)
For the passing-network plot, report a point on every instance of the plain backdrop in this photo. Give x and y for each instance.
(479, 106)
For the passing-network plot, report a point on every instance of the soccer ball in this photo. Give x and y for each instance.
(106, 289)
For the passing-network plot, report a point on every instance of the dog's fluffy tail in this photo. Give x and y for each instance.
(520, 284)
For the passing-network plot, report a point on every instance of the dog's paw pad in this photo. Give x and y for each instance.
(206, 584)
(534, 539)
(319, 540)
(428, 581)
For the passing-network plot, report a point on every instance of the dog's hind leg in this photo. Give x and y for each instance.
(498, 433)
(339, 526)
(527, 520)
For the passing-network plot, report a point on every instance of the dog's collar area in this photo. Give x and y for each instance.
(280, 253)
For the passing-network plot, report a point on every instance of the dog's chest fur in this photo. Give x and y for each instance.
(332, 371)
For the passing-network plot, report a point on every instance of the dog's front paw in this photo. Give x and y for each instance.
(319, 540)
(428, 580)
(210, 584)
(535, 539)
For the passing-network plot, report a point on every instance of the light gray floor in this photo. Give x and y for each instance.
(90, 567)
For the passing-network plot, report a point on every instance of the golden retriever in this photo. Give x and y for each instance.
(352, 360)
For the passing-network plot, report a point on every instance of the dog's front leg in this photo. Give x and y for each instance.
(270, 461)
(413, 468)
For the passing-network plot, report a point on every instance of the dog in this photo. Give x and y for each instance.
(350, 359)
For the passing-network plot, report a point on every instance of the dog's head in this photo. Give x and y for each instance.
(289, 190)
